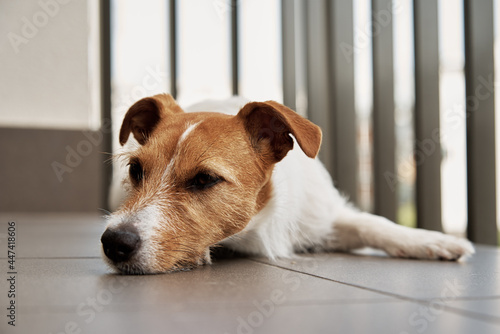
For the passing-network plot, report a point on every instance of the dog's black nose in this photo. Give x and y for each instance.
(120, 244)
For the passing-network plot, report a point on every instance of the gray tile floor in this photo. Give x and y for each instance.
(63, 286)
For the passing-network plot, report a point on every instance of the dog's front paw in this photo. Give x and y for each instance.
(431, 245)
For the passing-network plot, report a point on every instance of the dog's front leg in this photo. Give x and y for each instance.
(354, 230)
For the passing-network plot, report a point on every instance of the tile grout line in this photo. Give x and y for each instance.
(474, 315)
(340, 282)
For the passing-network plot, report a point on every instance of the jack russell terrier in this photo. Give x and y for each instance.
(201, 179)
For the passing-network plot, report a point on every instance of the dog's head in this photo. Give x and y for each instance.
(196, 179)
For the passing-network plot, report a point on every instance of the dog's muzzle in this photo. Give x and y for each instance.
(120, 244)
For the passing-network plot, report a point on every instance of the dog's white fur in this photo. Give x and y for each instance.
(306, 212)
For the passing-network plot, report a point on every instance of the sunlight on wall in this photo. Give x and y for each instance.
(139, 54)
(260, 50)
(404, 101)
(203, 51)
(453, 122)
(48, 65)
(363, 100)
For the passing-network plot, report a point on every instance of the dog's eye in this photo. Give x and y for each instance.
(135, 171)
(203, 181)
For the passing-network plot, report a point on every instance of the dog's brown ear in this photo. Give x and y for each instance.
(270, 125)
(143, 117)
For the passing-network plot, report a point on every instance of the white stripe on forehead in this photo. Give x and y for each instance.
(186, 133)
(182, 138)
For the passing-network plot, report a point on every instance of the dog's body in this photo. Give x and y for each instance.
(202, 179)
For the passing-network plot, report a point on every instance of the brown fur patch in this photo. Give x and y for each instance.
(193, 218)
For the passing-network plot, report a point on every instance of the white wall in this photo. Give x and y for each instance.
(47, 70)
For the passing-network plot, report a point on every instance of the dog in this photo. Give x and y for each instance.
(247, 179)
